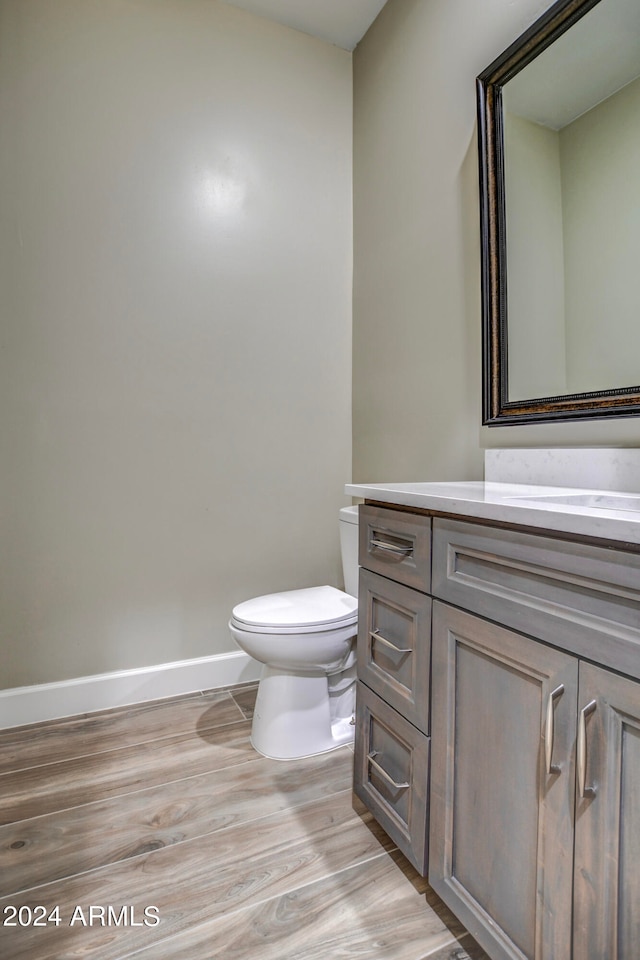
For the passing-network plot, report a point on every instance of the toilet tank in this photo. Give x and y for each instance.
(349, 548)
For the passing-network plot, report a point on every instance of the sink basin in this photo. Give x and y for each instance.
(596, 501)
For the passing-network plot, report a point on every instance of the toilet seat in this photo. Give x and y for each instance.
(310, 610)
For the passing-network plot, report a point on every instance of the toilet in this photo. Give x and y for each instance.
(305, 640)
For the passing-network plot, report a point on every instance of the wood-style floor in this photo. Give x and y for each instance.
(166, 807)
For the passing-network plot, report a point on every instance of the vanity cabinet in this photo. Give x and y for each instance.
(391, 769)
(535, 777)
(498, 725)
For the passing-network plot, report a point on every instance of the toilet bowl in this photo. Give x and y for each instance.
(305, 640)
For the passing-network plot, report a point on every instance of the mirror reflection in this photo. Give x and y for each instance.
(572, 209)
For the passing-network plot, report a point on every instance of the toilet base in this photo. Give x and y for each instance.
(292, 717)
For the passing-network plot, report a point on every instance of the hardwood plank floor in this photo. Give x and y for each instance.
(68, 783)
(25, 747)
(64, 843)
(167, 806)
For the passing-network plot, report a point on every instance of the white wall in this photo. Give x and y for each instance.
(417, 316)
(175, 281)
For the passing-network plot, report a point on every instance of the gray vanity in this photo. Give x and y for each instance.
(498, 713)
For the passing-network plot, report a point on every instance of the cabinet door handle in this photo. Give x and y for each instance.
(377, 636)
(396, 548)
(383, 773)
(584, 791)
(548, 734)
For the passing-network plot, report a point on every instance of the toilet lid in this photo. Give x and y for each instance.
(311, 607)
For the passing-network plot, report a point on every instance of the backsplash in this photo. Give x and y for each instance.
(598, 468)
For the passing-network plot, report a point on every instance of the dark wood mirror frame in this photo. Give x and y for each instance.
(497, 409)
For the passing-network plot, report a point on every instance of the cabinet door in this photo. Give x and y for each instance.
(502, 785)
(607, 875)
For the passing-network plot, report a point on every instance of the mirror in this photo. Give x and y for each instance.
(559, 143)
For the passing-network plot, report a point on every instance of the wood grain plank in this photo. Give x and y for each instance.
(369, 911)
(62, 844)
(199, 880)
(463, 949)
(245, 697)
(57, 786)
(113, 729)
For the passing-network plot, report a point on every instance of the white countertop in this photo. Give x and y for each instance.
(604, 514)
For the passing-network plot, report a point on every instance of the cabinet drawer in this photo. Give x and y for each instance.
(391, 773)
(396, 545)
(583, 598)
(394, 645)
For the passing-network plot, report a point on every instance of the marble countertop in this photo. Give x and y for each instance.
(604, 514)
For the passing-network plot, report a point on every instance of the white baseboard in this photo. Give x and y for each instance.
(51, 701)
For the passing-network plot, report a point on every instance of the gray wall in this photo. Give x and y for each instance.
(175, 269)
(417, 357)
(175, 311)
(532, 174)
(600, 154)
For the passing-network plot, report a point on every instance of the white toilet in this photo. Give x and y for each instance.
(306, 641)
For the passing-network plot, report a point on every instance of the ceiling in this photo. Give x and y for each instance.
(341, 22)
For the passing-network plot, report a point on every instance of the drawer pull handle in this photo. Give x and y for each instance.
(378, 636)
(383, 773)
(548, 734)
(584, 791)
(394, 548)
